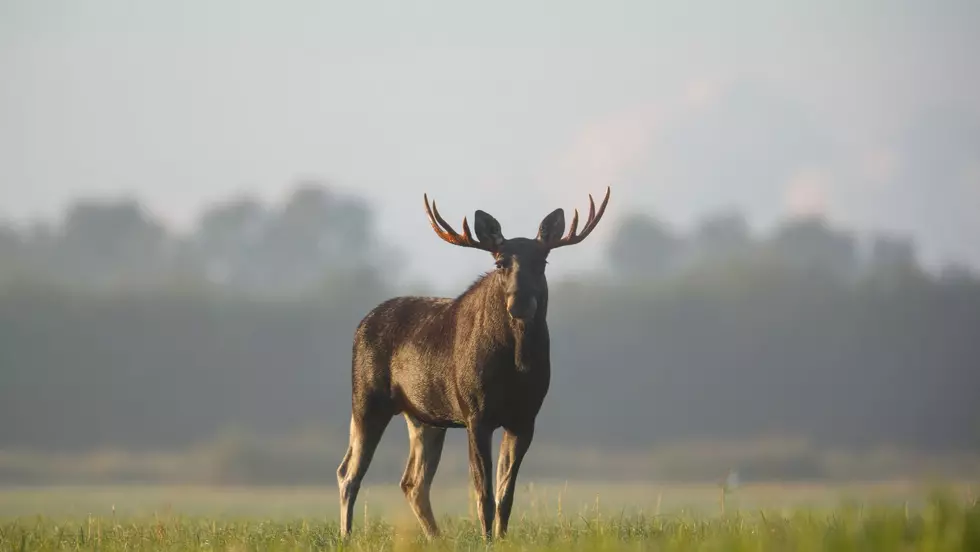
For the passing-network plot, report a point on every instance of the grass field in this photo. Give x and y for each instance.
(555, 516)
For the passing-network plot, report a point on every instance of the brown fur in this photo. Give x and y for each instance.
(479, 361)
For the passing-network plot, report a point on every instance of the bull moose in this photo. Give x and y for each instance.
(480, 361)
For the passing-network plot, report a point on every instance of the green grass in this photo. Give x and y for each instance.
(866, 521)
(941, 526)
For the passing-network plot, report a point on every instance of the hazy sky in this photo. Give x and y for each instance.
(868, 111)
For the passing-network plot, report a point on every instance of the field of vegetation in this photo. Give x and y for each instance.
(892, 516)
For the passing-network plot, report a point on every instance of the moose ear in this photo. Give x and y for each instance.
(552, 227)
(487, 229)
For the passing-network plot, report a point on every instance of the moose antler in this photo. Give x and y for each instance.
(447, 233)
(571, 238)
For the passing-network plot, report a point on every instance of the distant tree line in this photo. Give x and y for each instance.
(113, 332)
(645, 247)
(316, 235)
(241, 244)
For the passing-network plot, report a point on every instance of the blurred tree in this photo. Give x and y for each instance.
(110, 242)
(39, 243)
(893, 260)
(12, 253)
(317, 232)
(893, 252)
(720, 237)
(643, 247)
(957, 273)
(808, 243)
(227, 236)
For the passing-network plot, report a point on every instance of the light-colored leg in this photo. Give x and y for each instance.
(365, 434)
(513, 446)
(425, 450)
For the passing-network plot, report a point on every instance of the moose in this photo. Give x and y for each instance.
(480, 361)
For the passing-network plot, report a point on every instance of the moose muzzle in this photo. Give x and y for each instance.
(521, 308)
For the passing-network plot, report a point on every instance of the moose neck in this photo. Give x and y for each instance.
(487, 295)
(527, 335)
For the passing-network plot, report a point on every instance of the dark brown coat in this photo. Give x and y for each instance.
(480, 361)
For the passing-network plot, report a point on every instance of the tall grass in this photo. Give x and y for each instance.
(942, 524)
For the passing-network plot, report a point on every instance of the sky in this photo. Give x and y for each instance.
(866, 112)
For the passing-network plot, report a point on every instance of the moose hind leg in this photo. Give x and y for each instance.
(365, 434)
(425, 451)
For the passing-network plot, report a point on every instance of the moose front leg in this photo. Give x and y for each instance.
(481, 471)
(512, 449)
